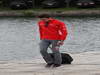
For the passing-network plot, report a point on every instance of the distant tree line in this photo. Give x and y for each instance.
(37, 3)
(5, 3)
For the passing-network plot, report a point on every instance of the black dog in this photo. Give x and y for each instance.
(66, 58)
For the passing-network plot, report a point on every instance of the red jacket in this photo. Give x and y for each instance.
(56, 30)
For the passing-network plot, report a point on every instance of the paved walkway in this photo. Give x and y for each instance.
(87, 63)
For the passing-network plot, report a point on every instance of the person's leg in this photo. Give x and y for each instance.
(44, 44)
(57, 54)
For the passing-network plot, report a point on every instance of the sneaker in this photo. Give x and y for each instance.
(48, 65)
(56, 65)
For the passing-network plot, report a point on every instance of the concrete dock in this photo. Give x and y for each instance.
(87, 63)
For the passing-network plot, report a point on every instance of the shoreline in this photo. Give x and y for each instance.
(69, 13)
(84, 64)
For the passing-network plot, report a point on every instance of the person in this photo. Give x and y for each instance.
(53, 32)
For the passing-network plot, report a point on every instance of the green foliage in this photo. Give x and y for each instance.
(28, 12)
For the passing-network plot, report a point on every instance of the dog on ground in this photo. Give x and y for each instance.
(66, 58)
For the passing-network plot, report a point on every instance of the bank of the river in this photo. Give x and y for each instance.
(83, 64)
(53, 12)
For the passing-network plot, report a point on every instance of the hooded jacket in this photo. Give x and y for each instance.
(56, 30)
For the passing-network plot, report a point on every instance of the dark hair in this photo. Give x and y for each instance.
(43, 16)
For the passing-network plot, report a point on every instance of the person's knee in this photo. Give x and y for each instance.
(43, 51)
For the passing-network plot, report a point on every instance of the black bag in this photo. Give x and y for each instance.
(66, 58)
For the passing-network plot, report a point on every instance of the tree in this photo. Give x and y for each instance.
(68, 2)
(38, 2)
(6, 2)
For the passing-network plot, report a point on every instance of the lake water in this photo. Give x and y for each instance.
(19, 37)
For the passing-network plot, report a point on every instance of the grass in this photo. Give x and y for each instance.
(49, 9)
(29, 12)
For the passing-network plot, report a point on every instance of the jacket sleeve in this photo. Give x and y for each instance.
(62, 31)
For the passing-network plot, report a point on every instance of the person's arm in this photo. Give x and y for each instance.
(61, 42)
(63, 32)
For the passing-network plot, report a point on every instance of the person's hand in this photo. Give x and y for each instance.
(60, 42)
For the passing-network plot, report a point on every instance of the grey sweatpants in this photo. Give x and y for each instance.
(44, 44)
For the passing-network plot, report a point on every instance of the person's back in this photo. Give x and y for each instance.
(53, 31)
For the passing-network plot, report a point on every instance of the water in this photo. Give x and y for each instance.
(19, 37)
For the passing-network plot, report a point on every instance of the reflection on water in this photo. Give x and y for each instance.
(19, 37)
